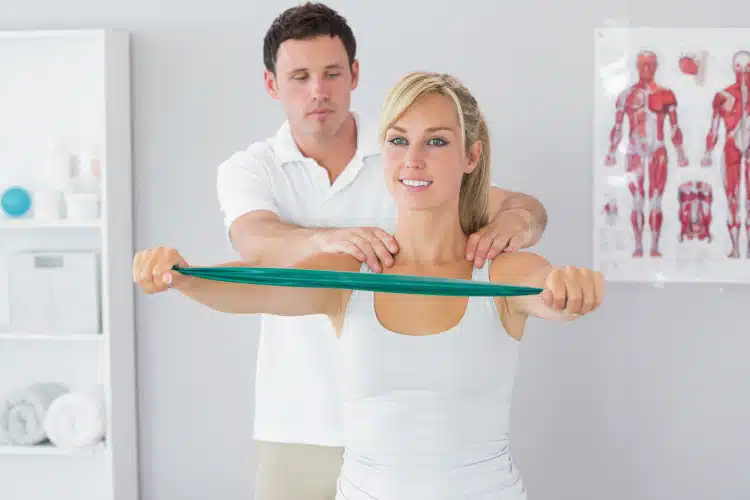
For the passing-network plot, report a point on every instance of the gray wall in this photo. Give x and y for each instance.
(646, 400)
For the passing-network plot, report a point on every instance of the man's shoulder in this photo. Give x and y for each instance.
(263, 151)
(260, 154)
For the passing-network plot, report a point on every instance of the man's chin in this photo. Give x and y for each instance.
(321, 131)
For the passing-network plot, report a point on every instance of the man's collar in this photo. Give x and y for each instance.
(368, 144)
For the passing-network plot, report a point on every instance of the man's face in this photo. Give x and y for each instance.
(314, 82)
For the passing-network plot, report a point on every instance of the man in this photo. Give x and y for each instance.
(317, 186)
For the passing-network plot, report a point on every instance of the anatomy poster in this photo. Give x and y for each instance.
(672, 154)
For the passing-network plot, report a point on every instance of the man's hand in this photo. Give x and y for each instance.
(509, 231)
(370, 244)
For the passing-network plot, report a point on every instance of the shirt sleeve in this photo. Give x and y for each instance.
(244, 185)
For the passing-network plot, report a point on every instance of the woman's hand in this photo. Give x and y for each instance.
(152, 269)
(573, 290)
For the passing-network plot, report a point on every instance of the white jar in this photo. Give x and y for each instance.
(47, 205)
(59, 169)
(82, 206)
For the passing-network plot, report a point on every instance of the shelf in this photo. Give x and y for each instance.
(58, 224)
(59, 337)
(51, 450)
(87, 111)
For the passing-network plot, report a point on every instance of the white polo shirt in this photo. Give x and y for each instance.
(297, 392)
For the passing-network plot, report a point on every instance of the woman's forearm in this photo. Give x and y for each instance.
(235, 298)
(249, 298)
(568, 292)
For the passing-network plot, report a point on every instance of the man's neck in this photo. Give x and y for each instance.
(332, 153)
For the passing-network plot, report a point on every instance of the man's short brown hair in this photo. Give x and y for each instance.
(306, 21)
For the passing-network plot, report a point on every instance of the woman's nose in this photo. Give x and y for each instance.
(414, 158)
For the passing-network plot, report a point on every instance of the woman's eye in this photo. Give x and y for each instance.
(436, 142)
(396, 141)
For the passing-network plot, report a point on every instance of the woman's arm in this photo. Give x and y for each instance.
(569, 292)
(152, 270)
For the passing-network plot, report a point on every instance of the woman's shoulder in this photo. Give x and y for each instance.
(515, 267)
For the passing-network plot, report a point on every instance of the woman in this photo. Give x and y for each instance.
(428, 379)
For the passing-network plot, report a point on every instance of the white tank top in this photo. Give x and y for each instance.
(427, 417)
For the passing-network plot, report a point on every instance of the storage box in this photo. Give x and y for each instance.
(54, 292)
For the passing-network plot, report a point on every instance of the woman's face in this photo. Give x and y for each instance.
(424, 156)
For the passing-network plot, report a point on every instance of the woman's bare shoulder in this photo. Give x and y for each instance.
(516, 267)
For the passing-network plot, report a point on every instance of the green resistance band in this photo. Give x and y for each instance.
(313, 278)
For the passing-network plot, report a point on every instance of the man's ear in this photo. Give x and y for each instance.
(475, 153)
(271, 85)
(355, 74)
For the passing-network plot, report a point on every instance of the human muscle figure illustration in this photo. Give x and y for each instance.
(611, 211)
(695, 199)
(647, 105)
(731, 107)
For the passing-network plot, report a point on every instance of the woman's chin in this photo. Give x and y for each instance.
(421, 207)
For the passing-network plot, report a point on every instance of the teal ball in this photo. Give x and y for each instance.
(16, 201)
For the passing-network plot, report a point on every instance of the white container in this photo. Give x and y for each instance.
(82, 206)
(59, 168)
(47, 205)
(89, 172)
(54, 292)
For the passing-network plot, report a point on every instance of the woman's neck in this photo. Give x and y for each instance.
(426, 239)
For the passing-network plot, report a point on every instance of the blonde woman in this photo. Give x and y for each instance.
(428, 379)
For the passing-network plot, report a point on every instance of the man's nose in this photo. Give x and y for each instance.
(321, 89)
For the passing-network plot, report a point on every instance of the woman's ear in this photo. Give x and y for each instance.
(475, 153)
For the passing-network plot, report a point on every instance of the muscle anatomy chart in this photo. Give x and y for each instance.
(695, 198)
(730, 108)
(647, 106)
(672, 153)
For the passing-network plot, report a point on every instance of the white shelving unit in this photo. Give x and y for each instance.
(61, 224)
(71, 87)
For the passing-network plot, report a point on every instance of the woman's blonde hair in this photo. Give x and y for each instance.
(474, 198)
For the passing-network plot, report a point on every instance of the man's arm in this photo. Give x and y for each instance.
(516, 220)
(263, 239)
(245, 189)
(529, 208)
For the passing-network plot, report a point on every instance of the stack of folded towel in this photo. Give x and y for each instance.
(48, 412)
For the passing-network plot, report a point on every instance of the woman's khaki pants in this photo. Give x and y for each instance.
(296, 471)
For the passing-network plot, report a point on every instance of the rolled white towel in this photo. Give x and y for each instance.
(23, 411)
(77, 419)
